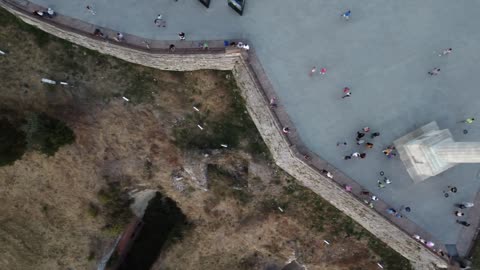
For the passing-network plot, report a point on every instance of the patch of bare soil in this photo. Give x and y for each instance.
(245, 212)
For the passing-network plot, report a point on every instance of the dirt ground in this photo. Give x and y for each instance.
(245, 212)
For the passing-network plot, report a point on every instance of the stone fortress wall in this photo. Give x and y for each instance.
(287, 151)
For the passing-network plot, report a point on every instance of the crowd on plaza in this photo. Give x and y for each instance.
(362, 139)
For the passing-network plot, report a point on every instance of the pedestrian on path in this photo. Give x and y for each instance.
(347, 157)
(391, 211)
(171, 48)
(363, 155)
(323, 71)
(90, 9)
(273, 102)
(375, 134)
(366, 129)
(446, 52)
(159, 21)
(341, 143)
(380, 184)
(359, 142)
(360, 135)
(452, 189)
(346, 15)
(181, 35)
(465, 205)
(369, 145)
(463, 223)
(119, 37)
(459, 214)
(346, 92)
(468, 120)
(355, 155)
(286, 130)
(314, 69)
(434, 72)
(386, 180)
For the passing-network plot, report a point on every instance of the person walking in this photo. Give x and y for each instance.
(463, 223)
(446, 52)
(434, 72)
(314, 69)
(468, 120)
(346, 15)
(346, 92)
(119, 37)
(273, 102)
(380, 184)
(355, 155)
(360, 135)
(359, 142)
(459, 214)
(90, 9)
(375, 134)
(286, 130)
(159, 21)
(369, 145)
(181, 35)
(323, 71)
(465, 205)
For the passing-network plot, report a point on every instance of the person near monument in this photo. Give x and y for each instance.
(434, 72)
(346, 92)
(159, 21)
(375, 134)
(446, 52)
(90, 9)
(355, 155)
(468, 120)
(463, 223)
(346, 15)
(465, 205)
(273, 102)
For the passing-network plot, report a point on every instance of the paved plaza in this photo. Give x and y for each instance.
(383, 54)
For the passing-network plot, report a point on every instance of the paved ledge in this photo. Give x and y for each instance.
(288, 152)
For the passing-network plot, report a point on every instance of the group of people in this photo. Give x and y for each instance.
(459, 213)
(360, 140)
(49, 13)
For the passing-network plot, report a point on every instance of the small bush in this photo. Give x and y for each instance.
(46, 134)
(12, 142)
(116, 206)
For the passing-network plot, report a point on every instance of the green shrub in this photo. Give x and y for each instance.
(12, 143)
(116, 206)
(46, 134)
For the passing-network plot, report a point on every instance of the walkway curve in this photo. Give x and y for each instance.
(288, 152)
